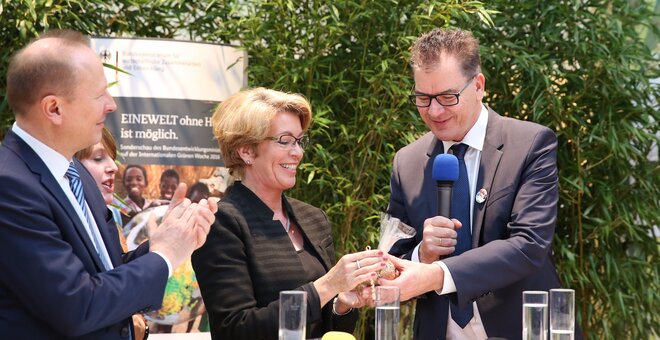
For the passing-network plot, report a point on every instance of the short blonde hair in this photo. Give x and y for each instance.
(245, 118)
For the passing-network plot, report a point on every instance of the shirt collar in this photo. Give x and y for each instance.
(476, 135)
(56, 162)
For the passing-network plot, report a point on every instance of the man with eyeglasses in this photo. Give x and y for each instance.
(474, 267)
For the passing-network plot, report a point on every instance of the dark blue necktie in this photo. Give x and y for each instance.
(460, 210)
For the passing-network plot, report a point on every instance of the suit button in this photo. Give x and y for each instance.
(124, 332)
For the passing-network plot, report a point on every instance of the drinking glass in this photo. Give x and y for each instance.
(387, 312)
(535, 315)
(293, 315)
(562, 314)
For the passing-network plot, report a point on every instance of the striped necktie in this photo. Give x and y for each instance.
(76, 187)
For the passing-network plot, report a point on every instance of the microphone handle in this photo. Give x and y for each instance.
(444, 198)
(444, 201)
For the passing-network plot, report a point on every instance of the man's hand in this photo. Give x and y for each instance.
(203, 229)
(183, 228)
(416, 278)
(438, 238)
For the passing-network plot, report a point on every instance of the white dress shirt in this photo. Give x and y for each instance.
(475, 140)
(57, 164)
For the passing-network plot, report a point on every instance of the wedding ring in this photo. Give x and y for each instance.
(357, 262)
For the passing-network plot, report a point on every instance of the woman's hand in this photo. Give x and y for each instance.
(350, 271)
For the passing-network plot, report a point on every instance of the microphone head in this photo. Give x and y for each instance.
(445, 168)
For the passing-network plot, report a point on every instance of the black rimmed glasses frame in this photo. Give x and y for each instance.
(288, 141)
(444, 99)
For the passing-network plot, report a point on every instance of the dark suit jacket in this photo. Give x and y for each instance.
(248, 259)
(512, 230)
(52, 285)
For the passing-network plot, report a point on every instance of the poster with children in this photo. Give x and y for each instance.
(166, 91)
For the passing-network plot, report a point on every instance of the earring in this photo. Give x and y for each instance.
(248, 162)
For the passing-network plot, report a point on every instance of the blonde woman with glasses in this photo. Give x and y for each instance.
(263, 241)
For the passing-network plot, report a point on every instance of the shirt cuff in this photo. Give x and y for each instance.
(169, 265)
(448, 285)
(415, 254)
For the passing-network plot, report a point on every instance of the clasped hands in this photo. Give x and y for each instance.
(183, 228)
(365, 267)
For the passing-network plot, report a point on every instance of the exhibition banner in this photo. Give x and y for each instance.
(166, 91)
(166, 96)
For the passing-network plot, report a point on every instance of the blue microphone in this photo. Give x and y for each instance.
(445, 173)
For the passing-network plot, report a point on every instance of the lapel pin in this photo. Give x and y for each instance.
(481, 196)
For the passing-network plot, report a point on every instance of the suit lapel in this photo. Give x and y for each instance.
(99, 212)
(37, 166)
(260, 221)
(490, 160)
(259, 218)
(310, 231)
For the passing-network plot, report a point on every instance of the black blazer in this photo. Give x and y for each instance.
(248, 259)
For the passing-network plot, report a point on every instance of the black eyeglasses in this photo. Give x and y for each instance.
(444, 99)
(288, 141)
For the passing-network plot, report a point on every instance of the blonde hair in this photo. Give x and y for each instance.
(245, 118)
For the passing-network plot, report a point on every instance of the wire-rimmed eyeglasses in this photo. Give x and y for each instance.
(444, 99)
(288, 141)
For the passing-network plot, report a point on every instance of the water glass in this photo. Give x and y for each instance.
(562, 314)
(535, 315)
(293, 315)
(387, 312)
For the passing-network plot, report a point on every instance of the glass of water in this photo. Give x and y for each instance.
(293, 315)
(562, 314)
(535, 315)
(387, 312)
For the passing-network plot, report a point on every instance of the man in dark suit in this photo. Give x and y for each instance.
(62, 272)
(510, 201)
